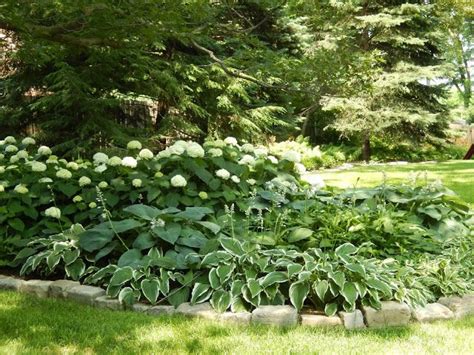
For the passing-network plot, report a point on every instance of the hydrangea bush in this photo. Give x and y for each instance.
(229, 224)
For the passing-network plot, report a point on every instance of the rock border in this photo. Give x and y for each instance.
(391, 313)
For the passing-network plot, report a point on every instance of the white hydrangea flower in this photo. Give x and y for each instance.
(100, 168)
(100, 158)
(38, 167)
(137, 183)
(145, 154)
(2, 156)
(230, 141)
(2, 142)
(235, 179)
(247, 160)
(247, 148)
(64, 174)
(251, 181)
(114, 161)
(52, 159)
(261, 152)
(77, 199)
(92, 205)
(72, 165)
(203, 195)
(2, 169)
(14, 159)
(63, 161)
(22, 154)
(45, 180)
(134, 145)
(103, 184)
(164, 153)
(178, 181)
(223, 174)
(2, 189)
(273, 159)
(28, 141)
(195, 150)
(129, 162)
(44, 150)
(300, 168)
(10, 140)
(53, 212)
(84, 181)
(11, 149)
(292, 156)
(215, 152)
(21, 189)
(177, 149)
(158, 174)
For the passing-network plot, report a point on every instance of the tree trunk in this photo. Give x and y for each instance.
(366, 151)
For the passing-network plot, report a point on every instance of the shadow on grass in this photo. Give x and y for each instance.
(55, 325)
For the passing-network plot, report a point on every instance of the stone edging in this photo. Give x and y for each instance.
(391, 314)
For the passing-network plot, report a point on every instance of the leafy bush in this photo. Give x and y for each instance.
(229, 224)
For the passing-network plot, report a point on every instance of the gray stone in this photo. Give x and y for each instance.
(10, 283)
(161, 310)
(140, 307)
(107, 302)
(39, 288)
(275, 315)
(352, 320)
(59, 288)
(203, 310)
(237, 318)
(85, 294)
(460, 306)
(391, 314)
(432, 312)
(317, 320)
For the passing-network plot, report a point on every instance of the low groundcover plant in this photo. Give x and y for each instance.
(228, 224)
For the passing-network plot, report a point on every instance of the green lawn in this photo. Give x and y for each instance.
(32, 325)
(457, 175)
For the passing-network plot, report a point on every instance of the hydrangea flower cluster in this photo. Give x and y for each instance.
(53, 212)
(178, 181)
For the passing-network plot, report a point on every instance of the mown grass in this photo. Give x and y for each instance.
(49, 326)
(457, 175)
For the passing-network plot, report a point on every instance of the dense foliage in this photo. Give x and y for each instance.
(83, 74)
(228, 223)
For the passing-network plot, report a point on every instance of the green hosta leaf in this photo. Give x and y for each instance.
(121, 276)
(361, 289)
(105, 250)
(379, 285)
(232, 246)
(124, 225)
(357, 268)
(131, 258)
(254, 287)
(298, 293)
(17, 224)
(145, 212)
(345, 249)
(293, 269)
(431, 211)
(221, 300)
(224, 272)
(201, 292)
(330, 309)
(299, 234)
(76, 269)
(321, 288)
(350, 294)
(338, 277)
(179, 296)
(144, 241)
(236, 288)
(52, 260)
(194, 213)
(272, 278)
(126, 296)
(213, 227)
(170, 233)
(238, 305)
(214, 279)
(150, 289)
(215, 258)
(95, 239)
(69, 256)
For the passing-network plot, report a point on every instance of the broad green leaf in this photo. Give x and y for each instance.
(213, 227)
(232, 246)
(214, 279)
(17, 224)
(69, 256)
(126, 296)
(330, 309)
(298, 292)
(76, 269)
(145, 212)
(224, 272)
(131, 258)
(221, 300)
(272, 278)
(194, 213)
(144, 241)
(254, 287)
(321, 288)
(179, 296)
(299, 234)
(357, 268)
(349, 292)
(150, 289)
(293, 269)
(200, 293)
(169, 233)
(345, 249)
(95, 239)
(338, 277)
(53, 260)
(121, 276)
(379, 285)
